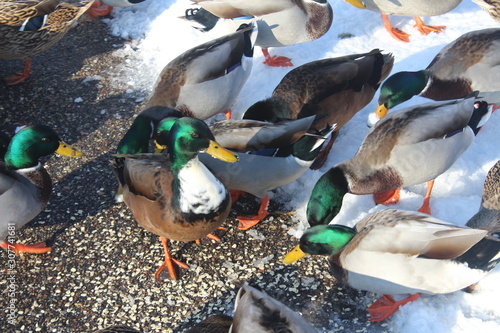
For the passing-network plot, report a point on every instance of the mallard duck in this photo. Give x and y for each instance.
(400, 252)
(137, 139)
(407, 147)
(4, 143)
(206, 79)
(491, 6)
(175, 196)
(255, 312)
(489, 212)
(280, 23)
(30, 27)
(467, 64)
(104, 7)
(415, 8)
(25, 186)
(257, 174)
(337, 87)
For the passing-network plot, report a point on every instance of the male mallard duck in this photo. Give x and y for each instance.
(206, 79)
(407, 147)
(415, 8)
(174, 195)
(491, 6)
(257, 174)
(399, 252)
(255, 312)
(104, 7)
(25, 186)
(137, 139)
(282, 23)
(489, 212)
(337, 87)
(467, 64)
(30, 27)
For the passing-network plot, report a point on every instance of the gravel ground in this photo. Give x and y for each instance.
(100, 271)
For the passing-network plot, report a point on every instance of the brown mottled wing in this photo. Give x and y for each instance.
(491, 192)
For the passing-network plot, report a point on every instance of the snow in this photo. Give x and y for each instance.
(157, 36)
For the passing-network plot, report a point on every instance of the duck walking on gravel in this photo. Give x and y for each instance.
(399, 252)
(25, 185)
(408, 147)
(469, 63)
(30, 27)
(174, 195)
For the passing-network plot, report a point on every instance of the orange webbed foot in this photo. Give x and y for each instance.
(98, 9)
(395, 32)
(385, 306)
(246, 222)
(427, 29)
(390, 197)
(37, 248)
(276, 61)
(17, 78)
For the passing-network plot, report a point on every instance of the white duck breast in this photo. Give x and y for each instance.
(200, 191)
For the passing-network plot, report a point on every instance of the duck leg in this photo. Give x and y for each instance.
(37, 248)
(385, 306)
(425, 206)
(395, 32)
(235, 195)
(228, 114)
(19, 77)
(169, 263)
(99, 9)
(212, 236)
(276, 61)
(427, 29)
(246, 222)
(387, 197)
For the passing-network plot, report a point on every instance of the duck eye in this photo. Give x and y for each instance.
(194, 135)
(45, 140)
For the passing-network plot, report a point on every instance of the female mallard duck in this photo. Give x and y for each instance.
(282, 23)
(30, 27)
(408, 147)
(415, 8)
(257, 174)
(491, 6)
(400, 252)
(465, 65)
(336, 87)
(174, 195)
(206, 79)
(25, 186)
(489, 212)
(255, 312)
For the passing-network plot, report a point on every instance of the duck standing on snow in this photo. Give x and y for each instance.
(489, 212)
(206, 79)
(398, 252)
(335, 87)
(469, 63)
(415, 8)
(280, 23)
(407, 147)
(175, 196)
(25, 185)
(30, 27)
